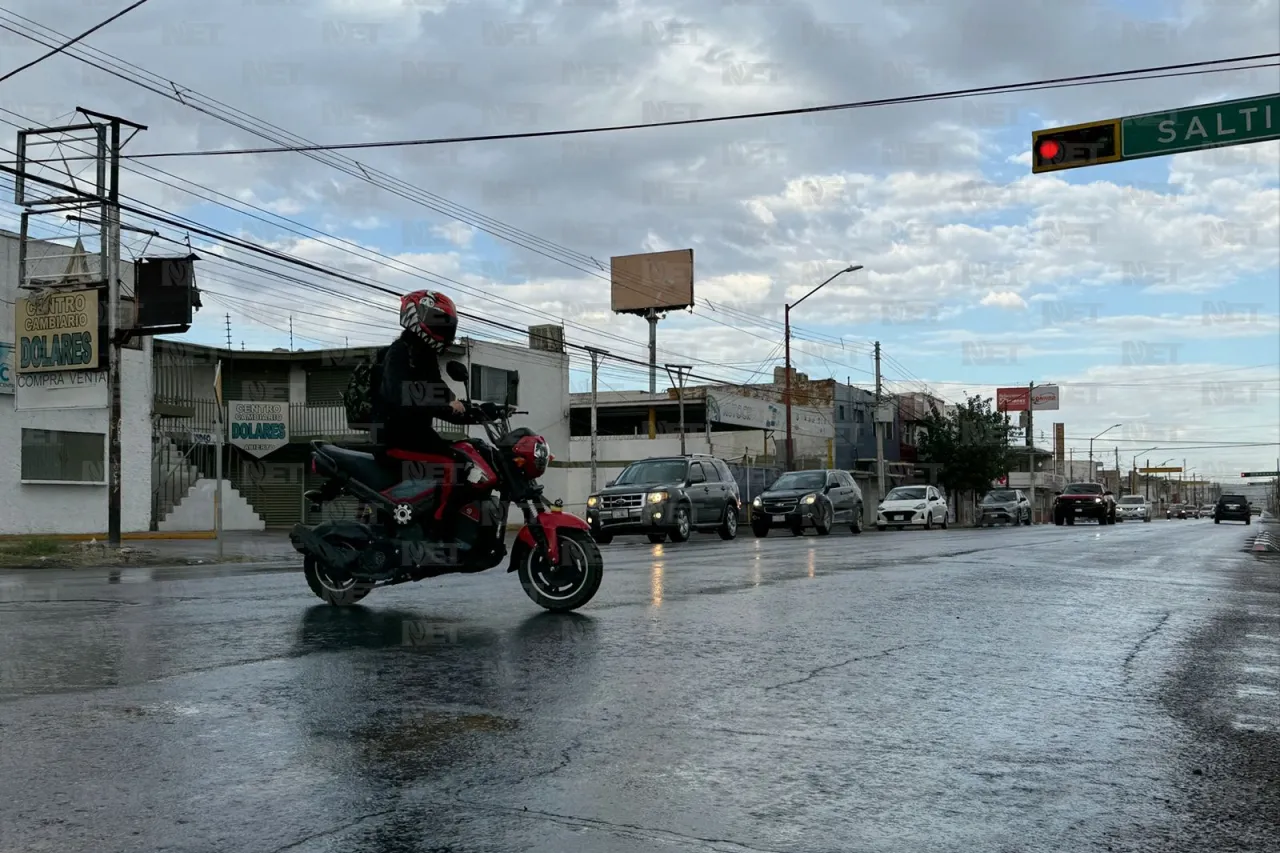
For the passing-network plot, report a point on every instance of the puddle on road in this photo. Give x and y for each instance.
(427, 733)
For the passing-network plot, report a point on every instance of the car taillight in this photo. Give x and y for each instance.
(314, 469)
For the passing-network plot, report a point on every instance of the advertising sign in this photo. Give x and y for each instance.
(57, 332)
(725, 408)
(1044, 398)
(62, 389)
(6, 368)
(1060, 442)
(1012, 399)
(258, 428)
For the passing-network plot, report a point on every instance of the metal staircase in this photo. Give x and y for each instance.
(172, 477)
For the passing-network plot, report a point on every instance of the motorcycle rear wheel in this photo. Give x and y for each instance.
(336, 593)
(571, 584)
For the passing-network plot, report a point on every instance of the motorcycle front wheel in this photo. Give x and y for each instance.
(569, 585)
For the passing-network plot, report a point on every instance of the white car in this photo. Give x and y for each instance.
(1133, 508)
(913, 506)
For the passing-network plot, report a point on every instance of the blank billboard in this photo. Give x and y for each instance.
(661, 281)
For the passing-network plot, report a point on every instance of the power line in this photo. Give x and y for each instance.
(60, 48)
(1147, 73)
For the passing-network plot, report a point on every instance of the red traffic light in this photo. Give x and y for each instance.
(1050, 149)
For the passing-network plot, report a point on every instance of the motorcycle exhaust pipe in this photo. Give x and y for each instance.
(305, 541)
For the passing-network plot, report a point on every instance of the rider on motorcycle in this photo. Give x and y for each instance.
(413, 393)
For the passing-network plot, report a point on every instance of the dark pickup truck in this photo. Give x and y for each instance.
(1084, 500)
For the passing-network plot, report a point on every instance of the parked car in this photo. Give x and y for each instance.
(1084, 500)
(667, 497)
(1176, 511)
(1232, 508)
(913, 506)
(1005, 506)
(1133, 508)
(798, 499)
(1206, 511)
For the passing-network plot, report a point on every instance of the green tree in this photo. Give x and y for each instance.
(969, 445)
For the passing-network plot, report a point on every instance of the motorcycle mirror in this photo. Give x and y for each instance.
(457, 371)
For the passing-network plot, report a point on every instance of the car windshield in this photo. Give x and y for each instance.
(652, 473)
(1133, 499)
(800, 480)
(1002, 497)
(1083, 489)
(906, 493)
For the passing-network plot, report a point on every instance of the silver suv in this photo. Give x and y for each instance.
(1133, 508)
(668, 496)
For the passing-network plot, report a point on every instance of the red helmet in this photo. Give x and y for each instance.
(431, 316)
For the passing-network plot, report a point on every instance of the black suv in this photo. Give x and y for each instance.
(1231, 508)
(808, 498)
(669, 496)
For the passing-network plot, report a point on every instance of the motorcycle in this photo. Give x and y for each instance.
(558, 563)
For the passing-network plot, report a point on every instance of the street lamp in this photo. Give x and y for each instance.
(1134, 467)
(1166, 476)
(1092, 470)
(786, 316)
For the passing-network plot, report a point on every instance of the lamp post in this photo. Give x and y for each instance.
(786, 316)
(1093, 472)
(1166, 476)
(1134, 467)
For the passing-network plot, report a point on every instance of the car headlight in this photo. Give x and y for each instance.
(880, 508)
(594, 500)
(1097, 500)
(657, 497)
(921, 506)
(808, 499)
(757, 502)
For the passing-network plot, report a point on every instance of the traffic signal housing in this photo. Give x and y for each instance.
(1075, 146)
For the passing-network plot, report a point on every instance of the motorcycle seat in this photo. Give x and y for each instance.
(364, 467)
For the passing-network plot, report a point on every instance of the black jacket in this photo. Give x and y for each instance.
(410, 396)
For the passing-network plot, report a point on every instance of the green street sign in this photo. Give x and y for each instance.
(1195, 128)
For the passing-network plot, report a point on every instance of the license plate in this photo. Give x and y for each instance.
(1079, 509)
(620, 513)
(779, 518)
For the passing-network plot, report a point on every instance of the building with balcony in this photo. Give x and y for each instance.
(309, 384)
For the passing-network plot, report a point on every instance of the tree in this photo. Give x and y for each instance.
(968, 447)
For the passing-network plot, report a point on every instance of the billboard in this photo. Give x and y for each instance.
(659, 281)
(1045, 398)
(1060, 442)
(724, 407)
(258, 428)
(1012, 399)
(57, 332)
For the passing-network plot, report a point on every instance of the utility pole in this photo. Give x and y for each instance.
(1031, 451)
(595, 377)
(1148, 479)
(229, 344)
(290, 333)
(1118, 489)
(680, 371)
(875, 422)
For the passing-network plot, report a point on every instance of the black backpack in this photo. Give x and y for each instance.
(361, 388)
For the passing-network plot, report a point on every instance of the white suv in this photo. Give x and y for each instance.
(1133, 508)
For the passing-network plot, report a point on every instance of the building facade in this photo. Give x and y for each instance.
(54, 421)
(304, 389)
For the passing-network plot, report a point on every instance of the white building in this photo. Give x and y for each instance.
(53, 423)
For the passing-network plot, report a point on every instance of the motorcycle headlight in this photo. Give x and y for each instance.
(808, 499)
(757, 502)
(593, 501)
(657, 497)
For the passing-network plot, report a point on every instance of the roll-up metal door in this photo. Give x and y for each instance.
(325, 387)
(273, 489)
(259, 384)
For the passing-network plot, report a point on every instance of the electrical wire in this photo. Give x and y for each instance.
(60, 48)
(1148, 73)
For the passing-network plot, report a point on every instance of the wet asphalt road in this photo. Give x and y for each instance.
(1032, 689)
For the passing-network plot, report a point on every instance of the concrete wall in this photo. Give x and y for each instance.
(544, 393)
(39, 508)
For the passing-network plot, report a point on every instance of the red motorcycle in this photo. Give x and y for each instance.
(559, 564)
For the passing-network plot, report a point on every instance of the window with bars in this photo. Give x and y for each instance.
(64, 457)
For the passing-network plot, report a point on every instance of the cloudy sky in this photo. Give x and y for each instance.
(1150, 291)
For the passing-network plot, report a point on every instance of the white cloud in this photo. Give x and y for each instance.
(1004, 299)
